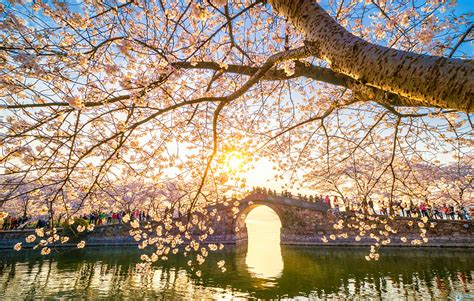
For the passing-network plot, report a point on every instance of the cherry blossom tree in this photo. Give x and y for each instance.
(165, 91)
(453, 182)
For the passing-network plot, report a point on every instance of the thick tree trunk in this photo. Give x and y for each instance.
(425, 80)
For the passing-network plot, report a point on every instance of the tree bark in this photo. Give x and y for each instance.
(425, 80)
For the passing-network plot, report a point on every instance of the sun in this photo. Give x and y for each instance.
(234, 161)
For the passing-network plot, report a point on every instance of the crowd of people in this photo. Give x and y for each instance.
(422, 209)
(111, 218)
(98, 218)
(288, 194)
(13, 222)
(449, 212)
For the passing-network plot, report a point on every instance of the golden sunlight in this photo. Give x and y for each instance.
(234, 161)
(264, 258)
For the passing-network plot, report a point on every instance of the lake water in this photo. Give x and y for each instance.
(289, 272)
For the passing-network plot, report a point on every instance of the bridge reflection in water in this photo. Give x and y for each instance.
(263, 258)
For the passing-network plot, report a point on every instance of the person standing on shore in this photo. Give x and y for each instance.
(371, 208)
(327, 201)
(452, 212)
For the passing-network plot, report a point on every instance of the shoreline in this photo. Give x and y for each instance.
(241, 244)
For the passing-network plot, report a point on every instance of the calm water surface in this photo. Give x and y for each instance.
(289, 272)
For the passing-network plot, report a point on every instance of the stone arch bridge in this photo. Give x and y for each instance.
(299, 219)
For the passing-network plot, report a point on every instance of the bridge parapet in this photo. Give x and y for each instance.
(286, 201)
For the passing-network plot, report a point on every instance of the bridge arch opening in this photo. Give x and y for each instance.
(263, 227)
(262, 223)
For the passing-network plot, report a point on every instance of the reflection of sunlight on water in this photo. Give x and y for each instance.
(264, 258)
